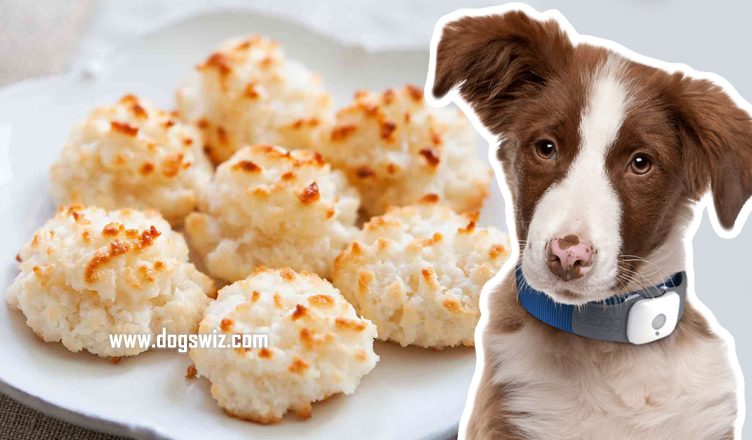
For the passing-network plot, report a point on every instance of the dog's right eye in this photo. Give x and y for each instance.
(546, 149)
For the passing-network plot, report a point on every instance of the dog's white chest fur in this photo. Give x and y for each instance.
(594, 391)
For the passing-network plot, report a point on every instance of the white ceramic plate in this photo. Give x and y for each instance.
(412, 393)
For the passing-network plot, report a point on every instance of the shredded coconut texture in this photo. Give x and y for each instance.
(248, 92)
(132, 155)
(273, 207)
(89, 273)
(317, 346)
(398, 151)
(417, 273)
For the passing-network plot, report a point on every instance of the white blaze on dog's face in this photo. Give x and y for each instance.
(603, 155)
(584, 205)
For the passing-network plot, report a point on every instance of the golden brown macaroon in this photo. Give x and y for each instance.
(90, 273)
(247, 92)
(132, 155)
(417, 273)
(274, 207)
(317, 345)
(397, 151)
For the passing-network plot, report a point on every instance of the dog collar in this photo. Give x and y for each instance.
(637, 317)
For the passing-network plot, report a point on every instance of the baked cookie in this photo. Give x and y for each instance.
(132, 155)
(317, 345)
(89, 273)
(417, 273)
(273, 207)
(397, 150)
(248, 92)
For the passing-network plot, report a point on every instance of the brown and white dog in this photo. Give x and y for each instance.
(605, 157)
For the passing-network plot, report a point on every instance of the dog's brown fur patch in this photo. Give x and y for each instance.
(526, 81)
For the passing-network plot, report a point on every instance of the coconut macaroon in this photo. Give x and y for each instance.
(89, 273)
(274, 207)
(317, 345)
(417, 273)
(248, 92)
(397, 150)
(132, 155)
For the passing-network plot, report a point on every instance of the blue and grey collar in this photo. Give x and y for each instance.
(637, 317)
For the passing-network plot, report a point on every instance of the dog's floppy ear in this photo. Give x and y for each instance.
(495, 59)
(717, 137)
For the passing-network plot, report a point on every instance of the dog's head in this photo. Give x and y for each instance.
(603, 155)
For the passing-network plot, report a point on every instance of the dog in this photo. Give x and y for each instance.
(605, 157)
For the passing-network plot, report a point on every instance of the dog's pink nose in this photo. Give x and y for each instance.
(569, 258)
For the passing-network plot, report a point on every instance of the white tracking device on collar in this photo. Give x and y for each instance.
(651, 319)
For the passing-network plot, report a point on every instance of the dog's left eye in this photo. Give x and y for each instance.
(546, 149)
(641, 164)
